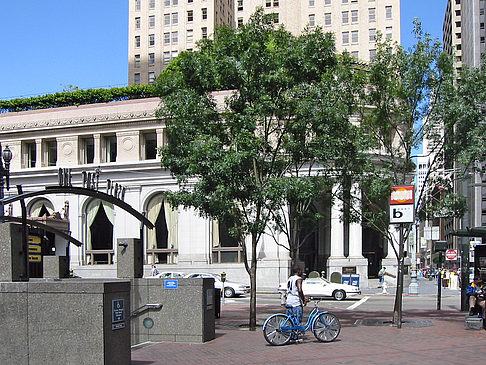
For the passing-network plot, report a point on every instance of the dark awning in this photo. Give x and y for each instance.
(471, 232)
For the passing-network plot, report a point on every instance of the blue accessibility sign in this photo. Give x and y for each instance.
(171, 284)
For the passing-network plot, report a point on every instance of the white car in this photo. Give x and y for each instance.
(319, 287)
(230, 288)
(169, 275)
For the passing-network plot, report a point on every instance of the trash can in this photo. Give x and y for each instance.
(217, 303)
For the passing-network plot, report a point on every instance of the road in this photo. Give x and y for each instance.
(372, 300)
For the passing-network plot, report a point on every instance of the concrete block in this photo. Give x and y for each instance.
(474, 323)
(129, 258)
(11, 255)
(56, 267)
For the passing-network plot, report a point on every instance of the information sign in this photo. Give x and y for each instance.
(171, 284)
(451, 255)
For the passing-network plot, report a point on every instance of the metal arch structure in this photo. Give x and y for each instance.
(81, 191)
(46, 227)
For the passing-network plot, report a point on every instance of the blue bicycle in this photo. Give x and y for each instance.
(279, 329)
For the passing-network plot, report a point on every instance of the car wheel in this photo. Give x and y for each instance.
(339, 294)
(229, 292)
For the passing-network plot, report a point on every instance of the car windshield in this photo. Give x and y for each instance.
(317, 280)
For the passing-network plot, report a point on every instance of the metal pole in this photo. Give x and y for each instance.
(439, 282)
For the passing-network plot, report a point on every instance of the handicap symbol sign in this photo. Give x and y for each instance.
(171, 284)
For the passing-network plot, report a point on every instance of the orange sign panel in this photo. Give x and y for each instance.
(402, 195)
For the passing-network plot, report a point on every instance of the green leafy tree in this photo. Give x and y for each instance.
(282, 136)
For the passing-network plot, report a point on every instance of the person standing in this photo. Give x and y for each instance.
(154, 271)
(381, 276)
(295, 296)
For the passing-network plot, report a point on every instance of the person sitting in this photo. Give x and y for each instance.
(477, 297)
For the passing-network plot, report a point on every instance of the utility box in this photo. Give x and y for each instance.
(474, 323)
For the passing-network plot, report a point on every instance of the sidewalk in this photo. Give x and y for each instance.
(445, 341)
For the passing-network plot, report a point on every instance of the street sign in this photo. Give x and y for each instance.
(451, 255)
(402, 213)
(440, 246)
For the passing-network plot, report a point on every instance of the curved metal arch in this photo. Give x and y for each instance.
(7, 218)
(81, 191)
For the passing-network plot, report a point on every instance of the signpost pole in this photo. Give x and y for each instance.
(439, 282)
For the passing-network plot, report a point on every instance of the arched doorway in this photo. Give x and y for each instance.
(162, 241)
(100, 221)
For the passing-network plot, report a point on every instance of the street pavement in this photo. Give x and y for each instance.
(439, 337)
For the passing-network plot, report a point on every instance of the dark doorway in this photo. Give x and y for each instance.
(101, 235)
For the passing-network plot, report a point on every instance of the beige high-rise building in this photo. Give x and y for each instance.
(159, 29)
(355, 23)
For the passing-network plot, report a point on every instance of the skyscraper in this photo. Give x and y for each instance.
(160, 29)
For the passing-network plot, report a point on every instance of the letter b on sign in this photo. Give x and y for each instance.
(402, 213)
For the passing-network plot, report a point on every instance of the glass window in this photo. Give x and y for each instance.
(166, 58)
(166, 19)
(344, 1)
(51, 153)
(268, 3)
(327, 19)
(354, 36)
(388, 12)
(29, 154)
(204, 13)
(345, 17)
(175, 2)
(100, 219)
(372, 34)
(110, 148)
(151, 40)
(151, 59)
(345, 37)
(354, 16)
(175, 37)
(275, 3)
(174, 54)
(311, 3)
(137, 78)
(354, 54)
(137, 41)
(189, 35)
(149, 146)
(151, 77)
(204, 32)
(240, 22)
(175, 18)
(240, 5)
(371, 14)
(137, 60)
(372, 53)
(166, 2)
(137, 4)
(166, 38)
(87, 143)
(137, 23)
(190, 15)
(312, 20)
(152, 4)
(389, 32)
(327, 2)
(151, 21)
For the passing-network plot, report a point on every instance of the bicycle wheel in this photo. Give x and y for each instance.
(326, 327)
(272, 329)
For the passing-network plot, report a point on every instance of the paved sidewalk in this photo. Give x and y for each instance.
(446, 341)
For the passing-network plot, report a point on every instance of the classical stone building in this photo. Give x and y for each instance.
(119, 141)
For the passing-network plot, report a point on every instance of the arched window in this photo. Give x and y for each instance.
(100, 220)
(162, 241)
(40, 208)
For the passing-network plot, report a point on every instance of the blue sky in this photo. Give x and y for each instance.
(50, 44)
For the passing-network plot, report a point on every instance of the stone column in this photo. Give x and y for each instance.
(38, 153)
(97, 148)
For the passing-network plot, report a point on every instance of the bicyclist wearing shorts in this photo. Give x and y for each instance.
(295, 296)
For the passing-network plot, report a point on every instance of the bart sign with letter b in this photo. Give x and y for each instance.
(402, 204)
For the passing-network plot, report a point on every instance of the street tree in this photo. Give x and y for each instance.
(411, 95)
(259, 124)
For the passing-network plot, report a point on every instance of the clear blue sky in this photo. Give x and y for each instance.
(49, 44)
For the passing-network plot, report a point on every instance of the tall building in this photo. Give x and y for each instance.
(160, 29)
(464, 39)
(355, 23)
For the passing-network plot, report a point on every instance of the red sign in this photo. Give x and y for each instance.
(451, 255)
(402, 195)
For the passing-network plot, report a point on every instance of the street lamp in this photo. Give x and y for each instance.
(4, 173)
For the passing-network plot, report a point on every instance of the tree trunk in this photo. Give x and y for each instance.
(253, 270)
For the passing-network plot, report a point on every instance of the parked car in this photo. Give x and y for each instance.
(230, 288)
(169, 275)
(320, 287)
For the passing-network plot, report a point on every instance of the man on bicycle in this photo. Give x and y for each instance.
(295, 296)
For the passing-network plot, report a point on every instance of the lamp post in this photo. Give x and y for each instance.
(4, 173)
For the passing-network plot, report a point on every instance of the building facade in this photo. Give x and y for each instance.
(158, 30)
(118, 142)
